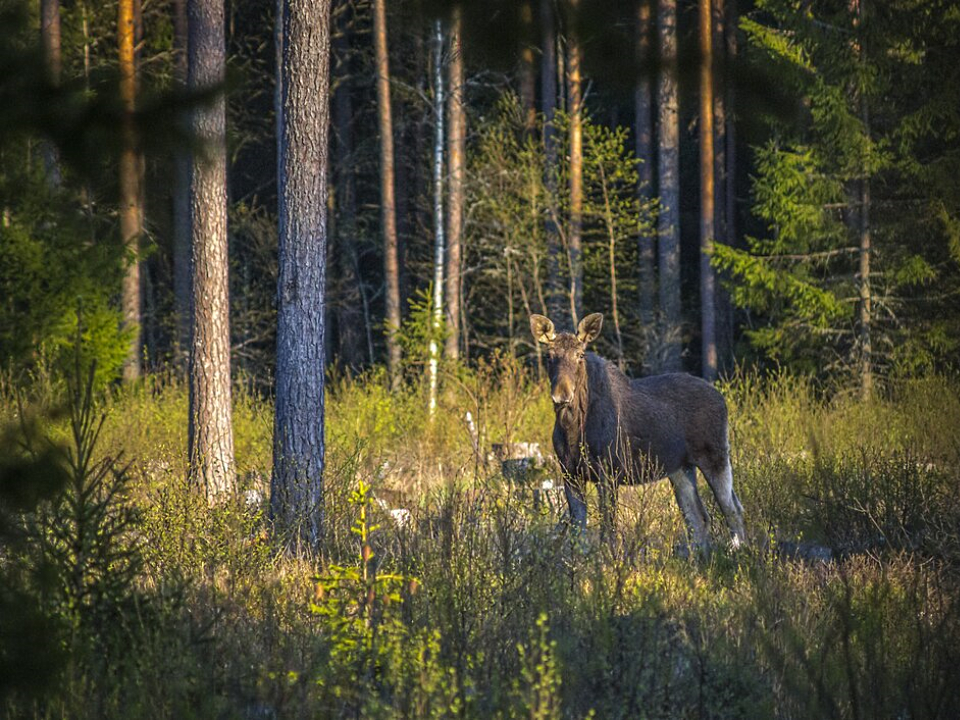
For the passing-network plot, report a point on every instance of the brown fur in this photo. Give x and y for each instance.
(613, 430)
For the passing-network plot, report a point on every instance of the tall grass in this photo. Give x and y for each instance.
(481, 605)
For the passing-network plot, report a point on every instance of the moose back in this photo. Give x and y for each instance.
(613, 430)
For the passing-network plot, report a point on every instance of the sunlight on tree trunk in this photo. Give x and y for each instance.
(210, 422)
(575, 110)
(388, 211)
(131, 219)
(456, 160)
(708, 318)
(438, 241)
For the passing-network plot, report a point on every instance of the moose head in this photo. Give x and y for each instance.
(566, 365)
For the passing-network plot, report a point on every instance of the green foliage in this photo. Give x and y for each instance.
(419, 330)
(51, 271)
(538, 687)
(31, 655)
(507, 617)
(78, 561)
(872, 89)
(510, 205)
(377, 666)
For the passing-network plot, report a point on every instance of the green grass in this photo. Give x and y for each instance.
(481, 607)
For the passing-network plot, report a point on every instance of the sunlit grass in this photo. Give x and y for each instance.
(504, 613)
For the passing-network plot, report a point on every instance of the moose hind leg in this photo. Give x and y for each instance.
(721, 482)
(684, 483)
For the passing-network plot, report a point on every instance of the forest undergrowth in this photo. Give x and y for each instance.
(477, 602)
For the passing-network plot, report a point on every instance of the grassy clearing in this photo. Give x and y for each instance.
(481, 607)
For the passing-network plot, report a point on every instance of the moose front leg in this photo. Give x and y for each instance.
(607, 497)
(573, 488)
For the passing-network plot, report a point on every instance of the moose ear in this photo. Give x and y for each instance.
(542, 329)
(589, 328)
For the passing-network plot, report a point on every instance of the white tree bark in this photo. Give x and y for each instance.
(438, 227)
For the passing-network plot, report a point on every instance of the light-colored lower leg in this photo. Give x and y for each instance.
(685, 488)
(722, 485)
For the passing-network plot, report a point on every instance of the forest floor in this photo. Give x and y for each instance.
(474, 602)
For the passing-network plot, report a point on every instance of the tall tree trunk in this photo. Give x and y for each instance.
(865, 313)
(646, 240)
(350, 319)
(548, 101)
(528, 77)
(730, 25)
(612, 264)
(50, 40)
(437, 314)
(866, 298)
(296, 489)
(708, 314)
(575, 110)
(668, 223)
(130, 213)
(456, 158)
(211, 429)
(181, 202)
(391, 263)
(724, 309)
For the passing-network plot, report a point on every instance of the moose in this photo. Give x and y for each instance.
(614, 430)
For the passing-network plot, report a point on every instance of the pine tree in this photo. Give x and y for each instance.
(645, 148)
(837, 282)
(456, 153)
(388, 205)
(708, 314)
(210, 426)
(131, 218)
(296, 497)
(668, 226)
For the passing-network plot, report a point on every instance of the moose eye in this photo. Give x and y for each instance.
(580, 356)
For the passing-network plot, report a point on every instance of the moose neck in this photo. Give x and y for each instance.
(572, 418)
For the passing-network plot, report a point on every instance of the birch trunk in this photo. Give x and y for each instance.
(438, 227)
